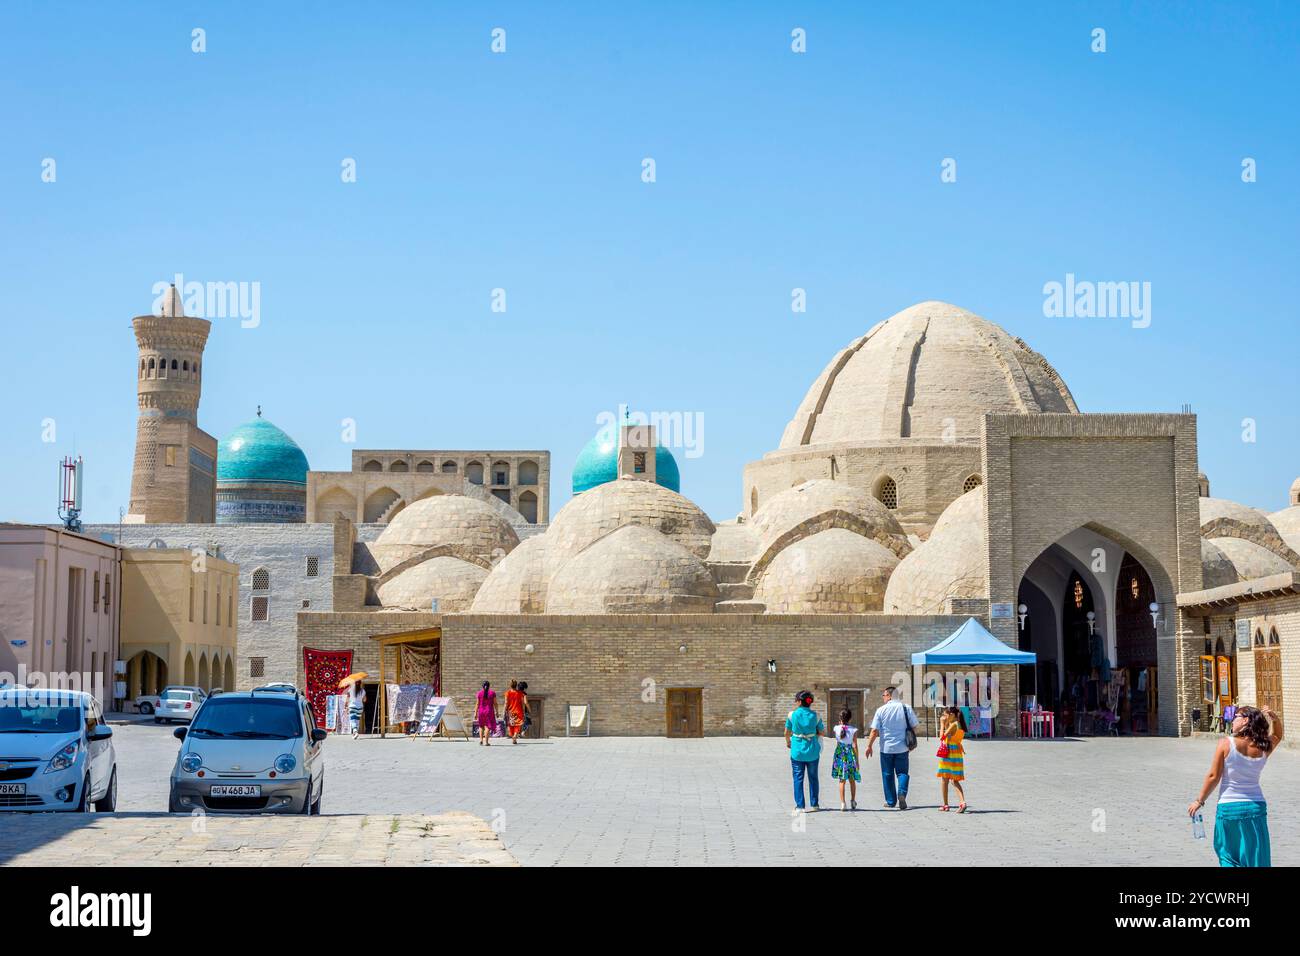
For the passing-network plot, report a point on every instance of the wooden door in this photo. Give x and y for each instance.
(685, 708)
(838, 698)
(1268, 678)
(537, 711)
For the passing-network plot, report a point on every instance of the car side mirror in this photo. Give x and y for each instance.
(100, 732)
(317, 735)
(180, 732)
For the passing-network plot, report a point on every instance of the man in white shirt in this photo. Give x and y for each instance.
(890, 724)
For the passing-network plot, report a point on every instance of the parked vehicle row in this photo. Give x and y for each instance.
(149, 704)
(254, 751)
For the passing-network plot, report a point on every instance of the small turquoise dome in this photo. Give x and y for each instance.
(598, 463)
(259, 452)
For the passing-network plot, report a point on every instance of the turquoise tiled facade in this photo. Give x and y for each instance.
(261, 476)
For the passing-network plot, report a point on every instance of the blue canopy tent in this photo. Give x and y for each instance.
(972, 644)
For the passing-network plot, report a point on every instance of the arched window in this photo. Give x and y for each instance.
(399, 466)
(888, 493)
(424, 466)
(528, 507)
(372, 465)
(500, 473)
(449, 468)
(1259, 638)
(474, 472)
(528, 472)
(971, 483)
(261, 579)
(185, 366)
(1273, 639)
(173, 365)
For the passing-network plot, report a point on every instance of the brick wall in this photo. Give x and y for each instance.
(621, 665)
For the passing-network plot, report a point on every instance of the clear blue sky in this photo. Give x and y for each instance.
(522, 171)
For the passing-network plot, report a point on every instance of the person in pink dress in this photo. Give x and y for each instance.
(486, 714)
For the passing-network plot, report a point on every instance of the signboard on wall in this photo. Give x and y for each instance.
(1243, 635)
(999, 611)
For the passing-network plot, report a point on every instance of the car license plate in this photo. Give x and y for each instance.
(13, 789)
(235, 790)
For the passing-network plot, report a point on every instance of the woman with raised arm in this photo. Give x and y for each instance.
(1241, 817)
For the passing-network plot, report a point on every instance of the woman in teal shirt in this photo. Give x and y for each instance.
(803, 735)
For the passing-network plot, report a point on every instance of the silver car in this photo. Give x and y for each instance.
(178, 703)
(56, 752)
(250, 752)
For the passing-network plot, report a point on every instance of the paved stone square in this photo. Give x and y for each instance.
(727, 800)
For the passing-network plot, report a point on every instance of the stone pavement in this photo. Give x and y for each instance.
(727, 800)
(134, 839)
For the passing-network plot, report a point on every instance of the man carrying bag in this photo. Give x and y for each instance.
(894, 724)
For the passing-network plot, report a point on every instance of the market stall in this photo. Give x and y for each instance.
(971, 645)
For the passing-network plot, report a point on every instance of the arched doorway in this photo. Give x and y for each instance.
(146, 675)
(189, 670)
(228, 679)
(1085, 612)
(205, 681)
(1135, 646)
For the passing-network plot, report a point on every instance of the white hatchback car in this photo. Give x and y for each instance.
(178, 703)
(56, 752)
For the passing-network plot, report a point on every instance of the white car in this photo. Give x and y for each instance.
(147, 703)
(178, 703)
(58, 752)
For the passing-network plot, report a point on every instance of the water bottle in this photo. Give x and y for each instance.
(1198, 825)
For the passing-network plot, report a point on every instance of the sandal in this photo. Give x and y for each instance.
(944, 808)
(961, 808)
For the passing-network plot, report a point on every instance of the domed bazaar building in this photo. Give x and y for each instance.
(937, 469)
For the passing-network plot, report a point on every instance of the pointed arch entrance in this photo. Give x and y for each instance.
(1084, 609)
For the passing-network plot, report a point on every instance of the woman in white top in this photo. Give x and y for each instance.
(1241, 817)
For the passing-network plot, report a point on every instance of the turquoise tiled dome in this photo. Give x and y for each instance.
(259, 452)
(598, 463)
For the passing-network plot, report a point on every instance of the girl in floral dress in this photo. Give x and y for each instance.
(845, 767)
(952, 770)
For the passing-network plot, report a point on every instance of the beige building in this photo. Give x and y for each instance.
(59, 608)
(179, 619)
(174, 477)
(382, 483)
(937, 469)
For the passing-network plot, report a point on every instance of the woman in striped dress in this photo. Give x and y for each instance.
(952, 728)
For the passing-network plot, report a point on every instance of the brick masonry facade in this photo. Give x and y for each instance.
(621, 665)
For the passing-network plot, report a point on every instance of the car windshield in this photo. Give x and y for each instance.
(29, 714)
(248, 717)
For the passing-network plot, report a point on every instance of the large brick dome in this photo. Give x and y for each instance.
(929, 373)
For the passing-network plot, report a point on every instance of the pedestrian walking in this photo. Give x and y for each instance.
(844, 768)
(951, 754)
(1241, 816)
(486, 714)
(515, 703)
(356, 705)
(894, 724)
(803, 733)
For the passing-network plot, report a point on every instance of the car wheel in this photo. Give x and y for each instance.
(320, 795)
(108, 803)
(146, 708)
(84, 804)
(173, 806)
(306, 803)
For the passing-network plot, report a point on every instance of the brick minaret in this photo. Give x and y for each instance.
(174, 475)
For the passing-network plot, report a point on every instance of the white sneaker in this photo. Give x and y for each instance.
(842, 806)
